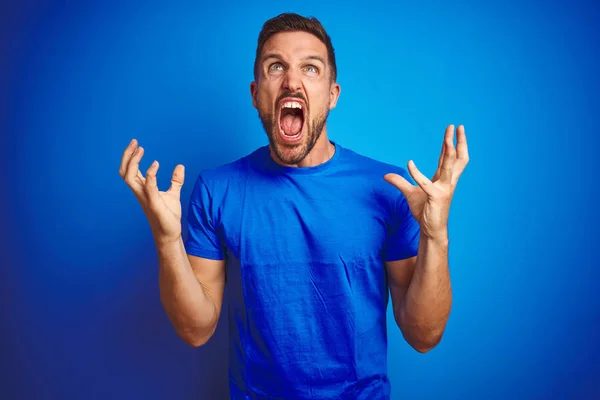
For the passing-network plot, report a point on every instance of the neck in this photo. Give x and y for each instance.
(321, 152)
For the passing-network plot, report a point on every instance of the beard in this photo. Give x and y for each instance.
(291, 154)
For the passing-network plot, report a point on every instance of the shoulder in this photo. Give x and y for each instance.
(221, 178)
(231, 171)
(369, 166)
(368, 174)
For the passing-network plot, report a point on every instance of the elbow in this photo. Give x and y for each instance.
(423, 341)
(195, 333)
(422, 336)
(425, 346)
(195, 342)
(194, 338)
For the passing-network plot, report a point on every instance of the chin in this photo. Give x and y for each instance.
(290, 152)
(292, 116)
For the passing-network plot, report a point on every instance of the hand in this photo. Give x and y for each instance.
(430, 201)
(163, 209)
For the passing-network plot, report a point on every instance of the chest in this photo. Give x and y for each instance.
(293, 222)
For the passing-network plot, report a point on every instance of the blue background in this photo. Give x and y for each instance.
(81, 315)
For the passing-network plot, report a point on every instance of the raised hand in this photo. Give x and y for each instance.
(430, 200)
(163, 209)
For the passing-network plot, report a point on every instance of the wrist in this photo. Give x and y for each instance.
(170, 251)
(166, 242)
(438, 238)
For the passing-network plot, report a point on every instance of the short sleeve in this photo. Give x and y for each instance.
(202, 239)
(403, 232)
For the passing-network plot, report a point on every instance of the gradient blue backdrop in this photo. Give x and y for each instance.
(81, 315)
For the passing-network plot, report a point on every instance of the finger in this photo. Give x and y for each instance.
(449, 156)
(419, 178)
(141, 177)
(436, 176)
(133, 169)
(400, 183)
(177, 179)
(151, 185)
(127, 153)
(462, 153)
(442, 154)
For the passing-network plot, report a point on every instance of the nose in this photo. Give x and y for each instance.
(292, 81)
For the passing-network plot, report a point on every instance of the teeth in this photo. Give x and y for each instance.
(292, 104)
(291, 136)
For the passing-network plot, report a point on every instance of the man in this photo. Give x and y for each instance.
(309, 236)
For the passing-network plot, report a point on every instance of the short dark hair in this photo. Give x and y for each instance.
(290, 22)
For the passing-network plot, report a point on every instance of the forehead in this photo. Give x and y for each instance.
(294, 44)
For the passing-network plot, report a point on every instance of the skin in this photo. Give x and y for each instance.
(295, 64)
(191, 288)
(420, 288)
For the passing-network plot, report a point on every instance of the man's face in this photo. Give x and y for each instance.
(293, 93)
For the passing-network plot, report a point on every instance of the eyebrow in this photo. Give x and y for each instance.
(276, 56)
(316, 57)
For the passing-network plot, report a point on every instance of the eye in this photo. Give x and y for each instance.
(312, 69)
(275, 67)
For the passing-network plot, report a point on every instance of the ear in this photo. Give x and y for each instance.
(334, 94)
(253, 90)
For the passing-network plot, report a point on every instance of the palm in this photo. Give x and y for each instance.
(417, 201)
(167, 207)
(162, 208)
(172, 203)
(426, 210)
(430, 200)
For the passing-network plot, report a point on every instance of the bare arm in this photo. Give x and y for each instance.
(420, 287)
(421, 294)
(191, 291)
(191, 288)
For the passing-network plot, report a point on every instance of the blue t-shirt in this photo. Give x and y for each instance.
(306, 284)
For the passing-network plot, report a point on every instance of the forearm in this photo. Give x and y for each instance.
(190, 309)
(423, 314)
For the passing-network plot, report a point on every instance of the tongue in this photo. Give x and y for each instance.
(291, 124)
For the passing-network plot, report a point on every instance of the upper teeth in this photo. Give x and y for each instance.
(292, 104)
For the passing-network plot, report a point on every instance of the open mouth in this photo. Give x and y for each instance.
(291, 119)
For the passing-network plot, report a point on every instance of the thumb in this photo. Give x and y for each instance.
(177, 179)
(400, 183)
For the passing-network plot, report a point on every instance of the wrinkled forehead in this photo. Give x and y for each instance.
(291, 46)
